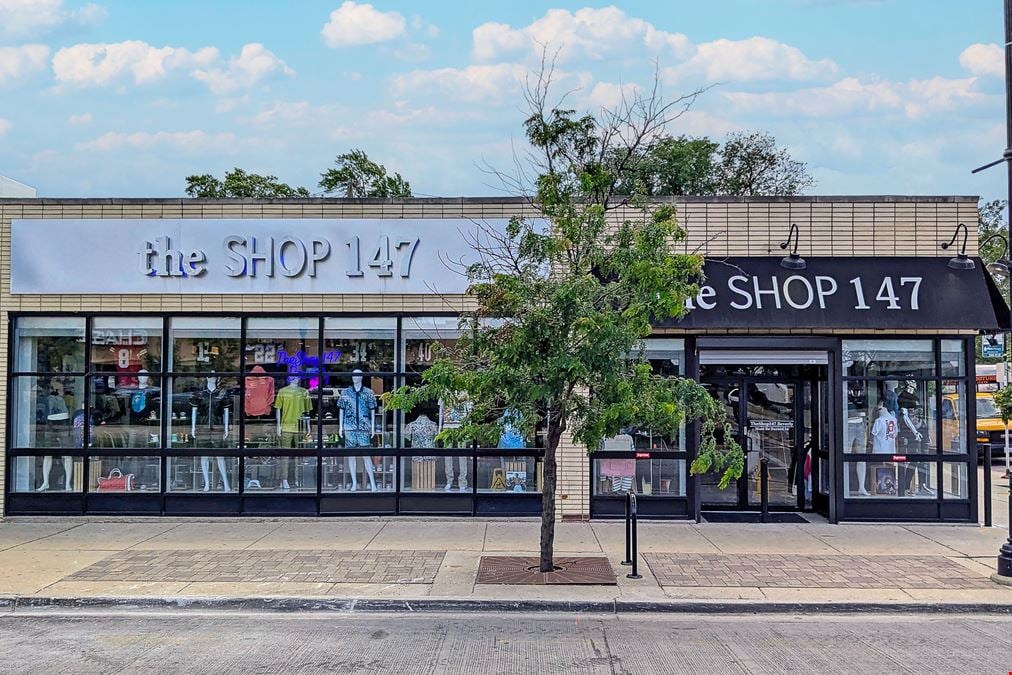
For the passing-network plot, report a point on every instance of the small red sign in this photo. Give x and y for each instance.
(899, 458)
(642, 455)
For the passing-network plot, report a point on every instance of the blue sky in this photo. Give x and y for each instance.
(117, 98)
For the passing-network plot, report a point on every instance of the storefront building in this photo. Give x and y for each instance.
(201, 357)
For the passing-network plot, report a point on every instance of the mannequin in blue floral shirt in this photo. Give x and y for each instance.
(357, 423)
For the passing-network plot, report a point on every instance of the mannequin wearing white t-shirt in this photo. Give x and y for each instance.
(884, 431)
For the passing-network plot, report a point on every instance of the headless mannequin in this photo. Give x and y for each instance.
(212, 385)
(287, 437)
(462, 462)
(47, 468)
(205, 462)
(356, 383)
(57, 416)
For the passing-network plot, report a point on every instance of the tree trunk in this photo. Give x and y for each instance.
(547, 563)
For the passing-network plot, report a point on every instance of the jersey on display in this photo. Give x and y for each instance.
(293, 401)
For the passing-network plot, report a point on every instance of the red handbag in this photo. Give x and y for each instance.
(116, 482)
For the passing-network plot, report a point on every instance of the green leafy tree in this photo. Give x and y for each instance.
(358, 176)
(238, 184)
(752, 165)
(748, 164)
(564, 301)
(992, 221)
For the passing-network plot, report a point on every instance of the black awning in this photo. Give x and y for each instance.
(862, 293)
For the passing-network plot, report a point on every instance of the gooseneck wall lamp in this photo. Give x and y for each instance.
(961, 261)
(792, 261)
(1001, 267)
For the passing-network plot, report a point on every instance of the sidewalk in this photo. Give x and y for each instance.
(438, 559)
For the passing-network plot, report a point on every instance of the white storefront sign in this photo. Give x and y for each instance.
(84, 256)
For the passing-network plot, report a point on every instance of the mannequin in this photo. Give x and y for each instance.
(205, 469)
(357, 424)
(421, 433)
(857, 433)
(58, 417)
(452, 418)
(212, 385)
(290, 404)
(910, 430)
(883, 431)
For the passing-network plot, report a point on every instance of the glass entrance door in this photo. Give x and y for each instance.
(769, 417)
(773, 431)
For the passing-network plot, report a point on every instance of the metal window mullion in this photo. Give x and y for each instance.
(86, 398)
(241, 446)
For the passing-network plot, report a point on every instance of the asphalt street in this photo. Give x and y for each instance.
(196, 642)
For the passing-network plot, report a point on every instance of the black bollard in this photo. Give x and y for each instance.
(987, 485)
(635, 554)
(1005, 554)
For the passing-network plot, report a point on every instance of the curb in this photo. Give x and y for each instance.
(428, 605)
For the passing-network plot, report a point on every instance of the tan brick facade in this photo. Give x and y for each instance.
(845, 226)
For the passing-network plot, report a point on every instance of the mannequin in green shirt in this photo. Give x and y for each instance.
(290, 404)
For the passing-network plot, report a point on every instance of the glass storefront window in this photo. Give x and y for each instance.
(369, 473)
(284, 346)
(508, 474)
(280, 474)
(127, 346)
(203, 412)
(435, 474)
(204, 345)
(49, 345)
(646, 477)
(203, 474)
(889, 480)
(48, 411)
(353, 414)
(953, 358)
(124, 474)
(890, 417)
(48, 474)
(955, 480)
(125, 416)
(953, 414)
(423, 337)
(366, 344)
(881, 358)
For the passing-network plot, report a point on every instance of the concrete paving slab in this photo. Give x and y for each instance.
(971, 541)
(713, 593)
(398, 591)
(1000, 595)
(456, 575)
(210, 536)
(101, 537)
(769, 538)
(875, 595)
(975, 565)
(875, 540)
(655, 538)
(331, 535)
(16, 534)
(440, 536)
(125, 589)
(569, 537)
(989, 561)
(27, 572)
(254, 589)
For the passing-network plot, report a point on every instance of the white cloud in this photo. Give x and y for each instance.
(78, 120)
(610, 95)
(983, 59)
(413, 51)
(20, 18)
(111, 63)
(355, 24)
(850, 95)
(755, 58)
(184, 141)
(5, 126)
(472, 83)
(254, 63)
(588, 33)
(17, 62)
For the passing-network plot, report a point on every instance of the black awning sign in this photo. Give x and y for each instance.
(858, 293)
